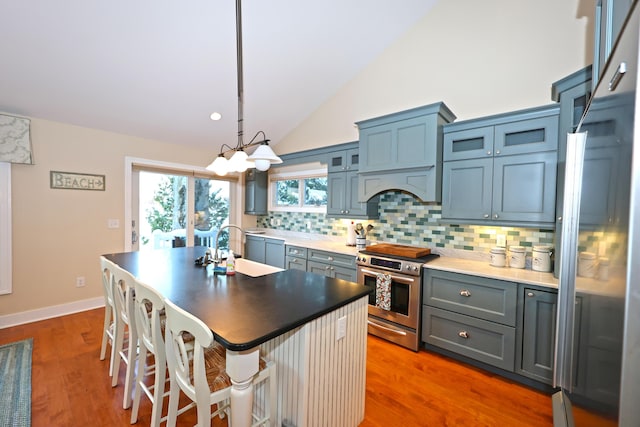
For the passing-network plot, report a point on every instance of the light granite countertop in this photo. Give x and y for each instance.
(308, 240)
(484, 269)
(456, 261)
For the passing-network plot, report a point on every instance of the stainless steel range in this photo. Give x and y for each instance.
(399, 319)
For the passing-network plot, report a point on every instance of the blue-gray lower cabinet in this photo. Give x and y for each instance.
(265, 250)
(601, 329)
(537, 341)
(470, 315)
(296, 258)
(339, 266)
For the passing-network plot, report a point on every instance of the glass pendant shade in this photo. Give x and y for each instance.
(238, 162)
(263, 165)
(264, 157)
(220, 166)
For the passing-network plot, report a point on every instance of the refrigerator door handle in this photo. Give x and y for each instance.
(563, 355)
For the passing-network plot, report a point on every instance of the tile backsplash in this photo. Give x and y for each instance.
(404, 219)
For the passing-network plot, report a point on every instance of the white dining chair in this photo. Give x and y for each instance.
(201, 372)
(149, 317)
(108, 330)
(126, 338)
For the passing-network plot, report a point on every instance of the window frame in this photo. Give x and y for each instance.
(300, 175)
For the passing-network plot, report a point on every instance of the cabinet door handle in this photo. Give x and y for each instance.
(497, 151)
(330, 258)
(463, 334)
(496, 216)
(486, 215)
(530, 294)
(465, 293)
(489, 153)
(328, 267)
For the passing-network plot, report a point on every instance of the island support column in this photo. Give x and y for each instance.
(241, 367)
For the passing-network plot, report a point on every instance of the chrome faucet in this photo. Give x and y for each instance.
(216, 257)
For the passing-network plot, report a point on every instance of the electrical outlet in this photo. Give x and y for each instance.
(341, 328)
(80, 282)
(113, 223)
(501, 240)
(308, 225)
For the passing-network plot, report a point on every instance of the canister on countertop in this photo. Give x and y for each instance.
(498, 256)
(587, 264)
(541, 258)
(517, 256)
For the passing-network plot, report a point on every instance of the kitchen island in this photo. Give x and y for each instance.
(312, 326)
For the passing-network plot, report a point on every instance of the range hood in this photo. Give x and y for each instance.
(403, 151)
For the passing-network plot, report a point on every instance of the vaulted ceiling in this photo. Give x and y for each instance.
(158, 68)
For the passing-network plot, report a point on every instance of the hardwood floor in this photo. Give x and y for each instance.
(71, 387)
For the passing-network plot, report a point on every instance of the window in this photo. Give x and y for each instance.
(299, 191)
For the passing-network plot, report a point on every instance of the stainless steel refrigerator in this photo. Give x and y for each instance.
(597, 358)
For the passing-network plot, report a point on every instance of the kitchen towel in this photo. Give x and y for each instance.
(383, 291)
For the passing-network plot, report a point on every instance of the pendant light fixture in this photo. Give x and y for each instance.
(263, 156)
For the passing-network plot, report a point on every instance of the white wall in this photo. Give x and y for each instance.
(479, 57)
(59, 235)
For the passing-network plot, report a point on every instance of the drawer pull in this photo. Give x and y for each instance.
(465, 293)
(463, 334)
(530, 294)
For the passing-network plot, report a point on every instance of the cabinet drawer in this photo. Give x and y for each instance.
(331, 258)
(488, 299)
(484, 341)
(296, 251)
(294, 263)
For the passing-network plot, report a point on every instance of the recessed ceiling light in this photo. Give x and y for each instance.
(216, 116)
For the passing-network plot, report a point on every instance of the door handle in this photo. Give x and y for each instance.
(375, 325)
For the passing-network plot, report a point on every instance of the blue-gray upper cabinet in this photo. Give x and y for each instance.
(342, 183)
(255, 192)
(502, 168)
(403, 151)
(344, 160)
(610, 16)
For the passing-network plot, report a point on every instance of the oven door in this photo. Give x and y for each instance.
(405, 296)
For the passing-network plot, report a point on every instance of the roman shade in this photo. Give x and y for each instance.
(15, 141)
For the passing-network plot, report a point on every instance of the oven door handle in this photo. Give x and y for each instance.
(396, 278)
(394, 331)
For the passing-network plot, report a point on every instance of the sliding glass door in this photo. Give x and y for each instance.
(174, 208)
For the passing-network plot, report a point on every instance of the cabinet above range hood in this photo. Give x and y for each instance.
(403, 151)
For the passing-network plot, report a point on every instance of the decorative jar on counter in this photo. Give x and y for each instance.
(541, 259)
(498, 257)
(517, 256)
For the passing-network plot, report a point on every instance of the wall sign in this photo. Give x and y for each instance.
(77, 181)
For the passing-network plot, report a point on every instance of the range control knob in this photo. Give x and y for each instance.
(415, 268)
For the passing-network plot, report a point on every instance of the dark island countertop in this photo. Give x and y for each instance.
(242, 311)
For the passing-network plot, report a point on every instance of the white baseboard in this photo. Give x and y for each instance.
(49, 312)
